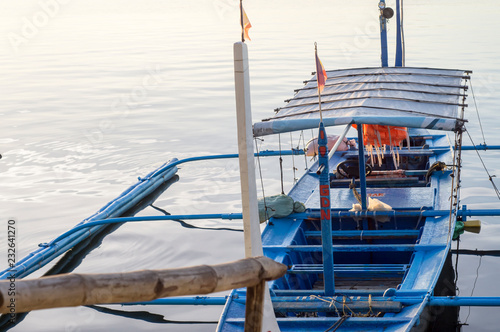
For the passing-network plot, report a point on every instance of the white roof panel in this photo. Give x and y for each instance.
(434, 94)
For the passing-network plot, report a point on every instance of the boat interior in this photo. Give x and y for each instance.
(371, 254)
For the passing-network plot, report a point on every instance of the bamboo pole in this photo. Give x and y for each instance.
(69, 290)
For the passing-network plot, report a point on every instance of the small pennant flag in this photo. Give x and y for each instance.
(246, 24)
(320, 74)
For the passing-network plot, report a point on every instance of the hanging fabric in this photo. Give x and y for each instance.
(378, 137)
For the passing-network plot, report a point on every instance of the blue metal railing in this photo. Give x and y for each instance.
(486, 301)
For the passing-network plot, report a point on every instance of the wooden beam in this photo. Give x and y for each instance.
(69, 290)
(254, 307)
(251, 224)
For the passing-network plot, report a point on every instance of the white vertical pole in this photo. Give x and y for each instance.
(251, 224)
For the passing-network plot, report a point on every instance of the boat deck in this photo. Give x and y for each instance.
(393, 255)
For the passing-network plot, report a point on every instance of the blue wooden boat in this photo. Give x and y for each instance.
(367, 252)
(385, 263)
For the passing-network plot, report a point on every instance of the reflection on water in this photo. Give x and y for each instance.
(95, 94)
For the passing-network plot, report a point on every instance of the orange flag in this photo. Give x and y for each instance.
(246, 24)
(320, 74)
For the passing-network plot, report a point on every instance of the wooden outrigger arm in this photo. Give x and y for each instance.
(70, 290)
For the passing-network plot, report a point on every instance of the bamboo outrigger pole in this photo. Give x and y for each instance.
(70, 290)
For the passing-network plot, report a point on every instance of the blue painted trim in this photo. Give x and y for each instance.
(369, 233)
(326, 220)
(266, 153)
(357, 248)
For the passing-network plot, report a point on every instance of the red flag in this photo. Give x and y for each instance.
(246, 24)
(320, 74)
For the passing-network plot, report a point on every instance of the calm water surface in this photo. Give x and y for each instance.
(94, 94)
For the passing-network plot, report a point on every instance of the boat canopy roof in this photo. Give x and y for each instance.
(395, 96)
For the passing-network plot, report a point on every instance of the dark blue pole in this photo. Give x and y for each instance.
(362, 167)
(480, 147)
(325, 207)
(383, 35)
(464, 301)
(399, 42)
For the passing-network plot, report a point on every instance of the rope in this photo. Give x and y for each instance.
(419, 217)
(455, 180)
(490, 177)
(370, 312)
(477, 111)
(352, 186)
(332, 300)
(293, 159)
(315, 148)
(303, 146)
(337, 324)
(456, 261)
(344, 305)
(474, 286)
(281, 166)
(261, 179)
(437, 166)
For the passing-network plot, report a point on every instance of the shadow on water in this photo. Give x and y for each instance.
(74, 257)
(145, 316)
(441, 318)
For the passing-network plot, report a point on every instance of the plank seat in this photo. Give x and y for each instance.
(413, 181)
(358, 271)
(357, 248)
(369, 234)
(402, 152)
